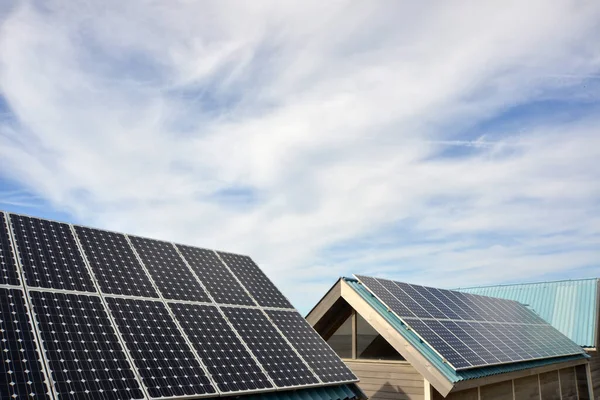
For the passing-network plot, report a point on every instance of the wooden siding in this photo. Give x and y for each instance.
(595, 369)
(388, 380)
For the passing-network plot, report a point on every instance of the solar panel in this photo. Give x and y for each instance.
(21, 365)
(319, 356)
(230, 364)
(84, 354)
(121, 317)
(217, 279)
(9, 274)
(49, 255)
(162, 357)
(256, 282)
(471, 331)
(114, 264)
(173, 278)
(275, 355)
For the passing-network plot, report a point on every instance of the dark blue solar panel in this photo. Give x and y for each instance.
(309, 344)
(169, 272)
(9, 274)
(419, 295)
(255, 281)
(386, 297)
(405, 299)
(457, 344)
(21, 371)
(275, 355)
(437, 343)
(118, 318)
(215, 277)
(227, 360)
(473, 345)
(85, 356)
(114, 264)
(491, 334)
(488, 343)
(49, 255)
(438, 300)
(469, 330)
(161, 355)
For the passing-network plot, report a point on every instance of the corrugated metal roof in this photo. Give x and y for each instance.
(570, 306)
(338, 392)
(434, 359)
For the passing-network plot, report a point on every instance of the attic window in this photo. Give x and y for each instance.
(341, 340)
(371, 345)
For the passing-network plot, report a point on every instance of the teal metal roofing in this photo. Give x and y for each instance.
(435, 360)
(570, 306)
(341, 392)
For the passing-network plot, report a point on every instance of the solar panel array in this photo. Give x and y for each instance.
(471, 331)
(90, 314)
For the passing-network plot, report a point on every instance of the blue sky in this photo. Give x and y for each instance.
(449, 145)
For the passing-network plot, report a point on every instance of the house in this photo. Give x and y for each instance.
(393, 361)
(571, 306)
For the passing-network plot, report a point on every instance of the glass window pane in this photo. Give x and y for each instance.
(341, 340)
(371, 345)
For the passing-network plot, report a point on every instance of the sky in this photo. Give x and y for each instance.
(445, 144)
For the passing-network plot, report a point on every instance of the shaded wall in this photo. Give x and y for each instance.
(564, 384)
(388, 380)
(595, 369)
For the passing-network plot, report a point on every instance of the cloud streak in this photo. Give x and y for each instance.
(321, 139)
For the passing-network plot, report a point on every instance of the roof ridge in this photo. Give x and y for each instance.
(526, 283)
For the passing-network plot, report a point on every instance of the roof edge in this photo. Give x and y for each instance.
(524, 283)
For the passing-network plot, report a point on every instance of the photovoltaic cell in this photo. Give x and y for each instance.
(161, 355)
(49, 255)
(84, 353)
(21, 371)
(255, 281)
(217, 279)
(469, 330)
(222, 352)
(114, 264)
(309, 344)
(279, 360)
(9, 274)
(170, 274)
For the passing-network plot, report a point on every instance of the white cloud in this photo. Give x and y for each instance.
(329, 122)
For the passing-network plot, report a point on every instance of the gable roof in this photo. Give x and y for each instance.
(443, 377)
(571, 306)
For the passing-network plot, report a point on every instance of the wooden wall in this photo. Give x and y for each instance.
(544, 386)
(388, 380)
(595, 369)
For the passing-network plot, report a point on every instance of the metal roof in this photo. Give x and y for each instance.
(340, 392)
(569, 305)
(435, 360)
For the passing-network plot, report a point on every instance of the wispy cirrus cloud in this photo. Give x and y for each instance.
(442, 144)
